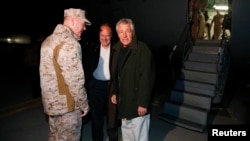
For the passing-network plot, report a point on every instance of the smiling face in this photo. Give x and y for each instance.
(105, 35)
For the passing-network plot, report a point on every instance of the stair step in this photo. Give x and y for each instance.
(198, 66)
(206, 50)
(184, 83)
(203, 77)
(190, 99)
(182, 122)
(195, 90)
(189, 113)
(207, 43)
(201, 57)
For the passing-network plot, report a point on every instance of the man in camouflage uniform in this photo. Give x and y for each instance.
(62, 77)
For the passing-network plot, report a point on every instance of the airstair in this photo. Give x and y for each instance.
(200, 84)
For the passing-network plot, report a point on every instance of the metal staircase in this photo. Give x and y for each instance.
(200, 84)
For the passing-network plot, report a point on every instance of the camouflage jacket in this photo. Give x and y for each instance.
(69, 62)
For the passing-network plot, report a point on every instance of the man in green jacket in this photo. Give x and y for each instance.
(132, 75)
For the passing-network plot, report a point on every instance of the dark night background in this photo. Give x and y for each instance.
(159, 23)
(34, 17)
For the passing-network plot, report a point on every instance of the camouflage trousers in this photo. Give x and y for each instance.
(65, 127)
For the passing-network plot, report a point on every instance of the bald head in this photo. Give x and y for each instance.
(105, 35)
(106, 28)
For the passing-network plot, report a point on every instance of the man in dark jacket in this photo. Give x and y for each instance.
(97, 70)
(133, 75)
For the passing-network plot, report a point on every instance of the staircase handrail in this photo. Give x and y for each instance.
(188, 39)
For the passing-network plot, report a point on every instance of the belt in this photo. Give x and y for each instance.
(100, 80)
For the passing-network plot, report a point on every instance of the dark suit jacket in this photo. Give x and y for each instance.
(90, 62)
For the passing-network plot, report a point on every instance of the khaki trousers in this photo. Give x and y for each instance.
(136, 129)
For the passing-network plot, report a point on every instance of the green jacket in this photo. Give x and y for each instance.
(133, 84)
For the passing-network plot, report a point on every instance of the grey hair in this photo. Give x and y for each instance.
(126, 21)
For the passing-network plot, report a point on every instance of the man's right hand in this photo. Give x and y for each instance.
(85, 112)
(113, 99)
